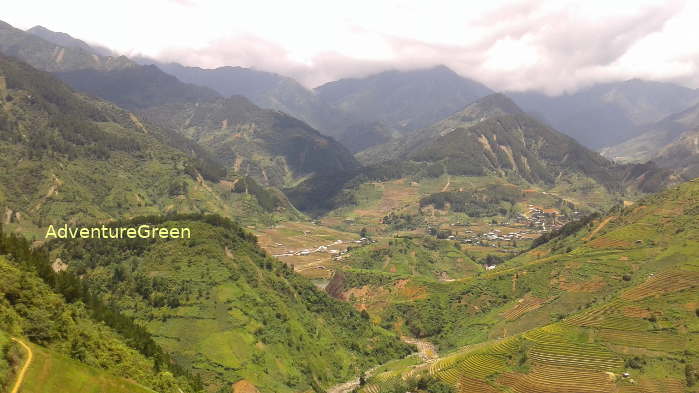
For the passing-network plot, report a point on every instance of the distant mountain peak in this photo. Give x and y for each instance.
(500, 102)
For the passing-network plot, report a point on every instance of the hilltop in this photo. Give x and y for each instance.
(49, 56)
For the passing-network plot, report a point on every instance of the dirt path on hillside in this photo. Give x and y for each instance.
(446, 186)
(23, 371)
(599, 227)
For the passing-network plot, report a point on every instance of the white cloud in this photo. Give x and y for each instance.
(552, 45)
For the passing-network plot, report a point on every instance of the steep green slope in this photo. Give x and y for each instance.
(51, 57)
(607, 296)
(67, 158)
(224, 308)
(59, 330)
(272, 147)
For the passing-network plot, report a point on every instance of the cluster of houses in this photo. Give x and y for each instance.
(526, 226)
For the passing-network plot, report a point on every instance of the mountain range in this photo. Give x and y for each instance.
(408, 231)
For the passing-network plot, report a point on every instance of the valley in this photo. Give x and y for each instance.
(391, 229)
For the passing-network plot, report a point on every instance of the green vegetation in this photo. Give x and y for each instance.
(415, 257)
(66, 158)
(271, 147)
(63, 317)
(226, 309)
(610, 294)
(50, 57)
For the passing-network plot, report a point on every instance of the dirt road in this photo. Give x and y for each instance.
(23, 371)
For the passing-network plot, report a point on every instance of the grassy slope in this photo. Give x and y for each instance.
(619, 289)
(50, 372)
(225, 309)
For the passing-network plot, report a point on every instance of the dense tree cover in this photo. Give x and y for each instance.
(267, 199)
(220, 274)
(59, 311)
(403, 221)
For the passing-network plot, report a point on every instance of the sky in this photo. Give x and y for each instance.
(550, 46)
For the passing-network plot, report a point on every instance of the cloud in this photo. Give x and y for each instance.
(552, 46)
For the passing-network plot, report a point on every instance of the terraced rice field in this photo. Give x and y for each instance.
(662, 283)
(558, 379)
(609, 316)
(471, 385)
(525, 305)
(654, 341)
(477, 366)
(661, 386)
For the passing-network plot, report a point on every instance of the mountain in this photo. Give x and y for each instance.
(137, 87)
(490, 138)
(67, 41)
(48, 56)
(265, 89)
(402, 100)
(485, 108)
(681, 155)
(609, 113)
(68, 158)
(607, 304)
(360, 136)
(224, 308)
(117, 79)
(655, 137)
(272, 147)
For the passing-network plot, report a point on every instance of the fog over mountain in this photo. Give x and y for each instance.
(548, 46)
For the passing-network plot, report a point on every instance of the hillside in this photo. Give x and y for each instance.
(67, 41)
(610, 295)
(270, 146)
(137, 87)
(655, 138)
(48, 56)
(607, 114)
(227, 310)
(491, 138)
(265, 89)
(73, 339)
(68, 158)
(402, 100)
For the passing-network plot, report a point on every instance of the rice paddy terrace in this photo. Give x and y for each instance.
(617, 311)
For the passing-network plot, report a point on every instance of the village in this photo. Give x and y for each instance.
(521, 227)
